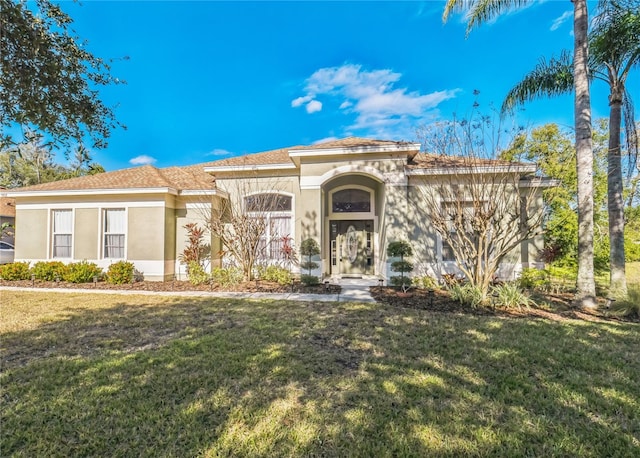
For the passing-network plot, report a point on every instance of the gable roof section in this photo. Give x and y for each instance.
(282, 158)
(144, 179)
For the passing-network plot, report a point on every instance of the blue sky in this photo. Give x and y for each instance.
(208, 80)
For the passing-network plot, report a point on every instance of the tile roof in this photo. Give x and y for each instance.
(281, 155)
(433, 161)
(144, 177)
(193, 177)
(276, 156)
(352, 142)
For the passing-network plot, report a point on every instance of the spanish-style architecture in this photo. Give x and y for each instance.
(353, 196)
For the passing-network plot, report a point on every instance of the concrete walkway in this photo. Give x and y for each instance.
(350, 293)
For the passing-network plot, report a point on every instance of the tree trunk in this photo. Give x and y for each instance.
(585, 285)
(618, 283)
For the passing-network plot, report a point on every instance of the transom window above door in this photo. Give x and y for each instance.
(351, 200)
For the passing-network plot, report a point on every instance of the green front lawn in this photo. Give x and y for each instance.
(96, 375)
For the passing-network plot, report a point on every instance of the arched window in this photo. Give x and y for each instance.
(351, 200)
(276, 211)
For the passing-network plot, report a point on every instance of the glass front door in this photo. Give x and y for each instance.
(351, 247)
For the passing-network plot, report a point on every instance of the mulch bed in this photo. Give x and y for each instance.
(440, 301)
(181, 285)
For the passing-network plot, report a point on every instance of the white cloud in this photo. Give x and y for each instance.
(325, 140)
(300, 101)
(218, 152)
(372, 96)
(142, 160)
(557, 22)
(314, 106)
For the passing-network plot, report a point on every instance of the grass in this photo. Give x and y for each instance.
(95, 375)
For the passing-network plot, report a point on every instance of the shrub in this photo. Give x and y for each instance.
(197, 274)
(196, 250)
(400, 249)
(532, 278)
(509, 295)
(15, 271)
(628, 306)
(401, 281)
(120, 272)
(309, 280)
(425, 282)
(49, 270)
(277, 274)
(226, 276)
(466, 294)
(82, 272)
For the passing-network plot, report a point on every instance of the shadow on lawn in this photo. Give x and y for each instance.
(223, 377)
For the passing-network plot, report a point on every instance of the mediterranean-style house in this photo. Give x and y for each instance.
(353, 196)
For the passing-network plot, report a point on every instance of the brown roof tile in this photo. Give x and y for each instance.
(352, 142)
(144, 177)
(430, 161)
(276, 156)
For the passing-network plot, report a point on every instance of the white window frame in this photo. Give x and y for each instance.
(269, 215)
(54, 232)
(353, 215)
(104, 233)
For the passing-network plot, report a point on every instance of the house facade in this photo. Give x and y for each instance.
(353, 196)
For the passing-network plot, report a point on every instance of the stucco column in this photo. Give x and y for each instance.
(309, 218)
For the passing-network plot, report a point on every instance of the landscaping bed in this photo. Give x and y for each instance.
(182, 285)
(556, 306)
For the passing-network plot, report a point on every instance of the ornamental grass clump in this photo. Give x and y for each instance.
(509, 295)
(467, 294)
(629, 306)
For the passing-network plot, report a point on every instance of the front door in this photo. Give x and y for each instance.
(352, 247)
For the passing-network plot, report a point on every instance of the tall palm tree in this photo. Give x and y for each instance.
(482, 10)
(614, 45)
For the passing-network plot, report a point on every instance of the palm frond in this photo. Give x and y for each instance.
(480, 11)
(550, 78)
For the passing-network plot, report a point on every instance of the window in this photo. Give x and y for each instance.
(275, 210)
(114, 233)
(62, 233)
(351, 200)
(453, 211)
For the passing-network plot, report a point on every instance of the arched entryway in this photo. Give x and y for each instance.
(351, 212)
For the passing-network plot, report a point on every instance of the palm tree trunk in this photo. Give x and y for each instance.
(585, 285)
(618, 283)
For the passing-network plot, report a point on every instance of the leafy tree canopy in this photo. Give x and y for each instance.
(48, 80)
(32, 162)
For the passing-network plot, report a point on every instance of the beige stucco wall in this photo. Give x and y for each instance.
(31, 234)
(86, 233)
(146, 239)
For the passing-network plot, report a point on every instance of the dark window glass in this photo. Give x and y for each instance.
(351, 200)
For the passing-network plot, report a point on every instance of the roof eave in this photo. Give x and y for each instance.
(250, 167)
(453, 170)
(85, 192)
